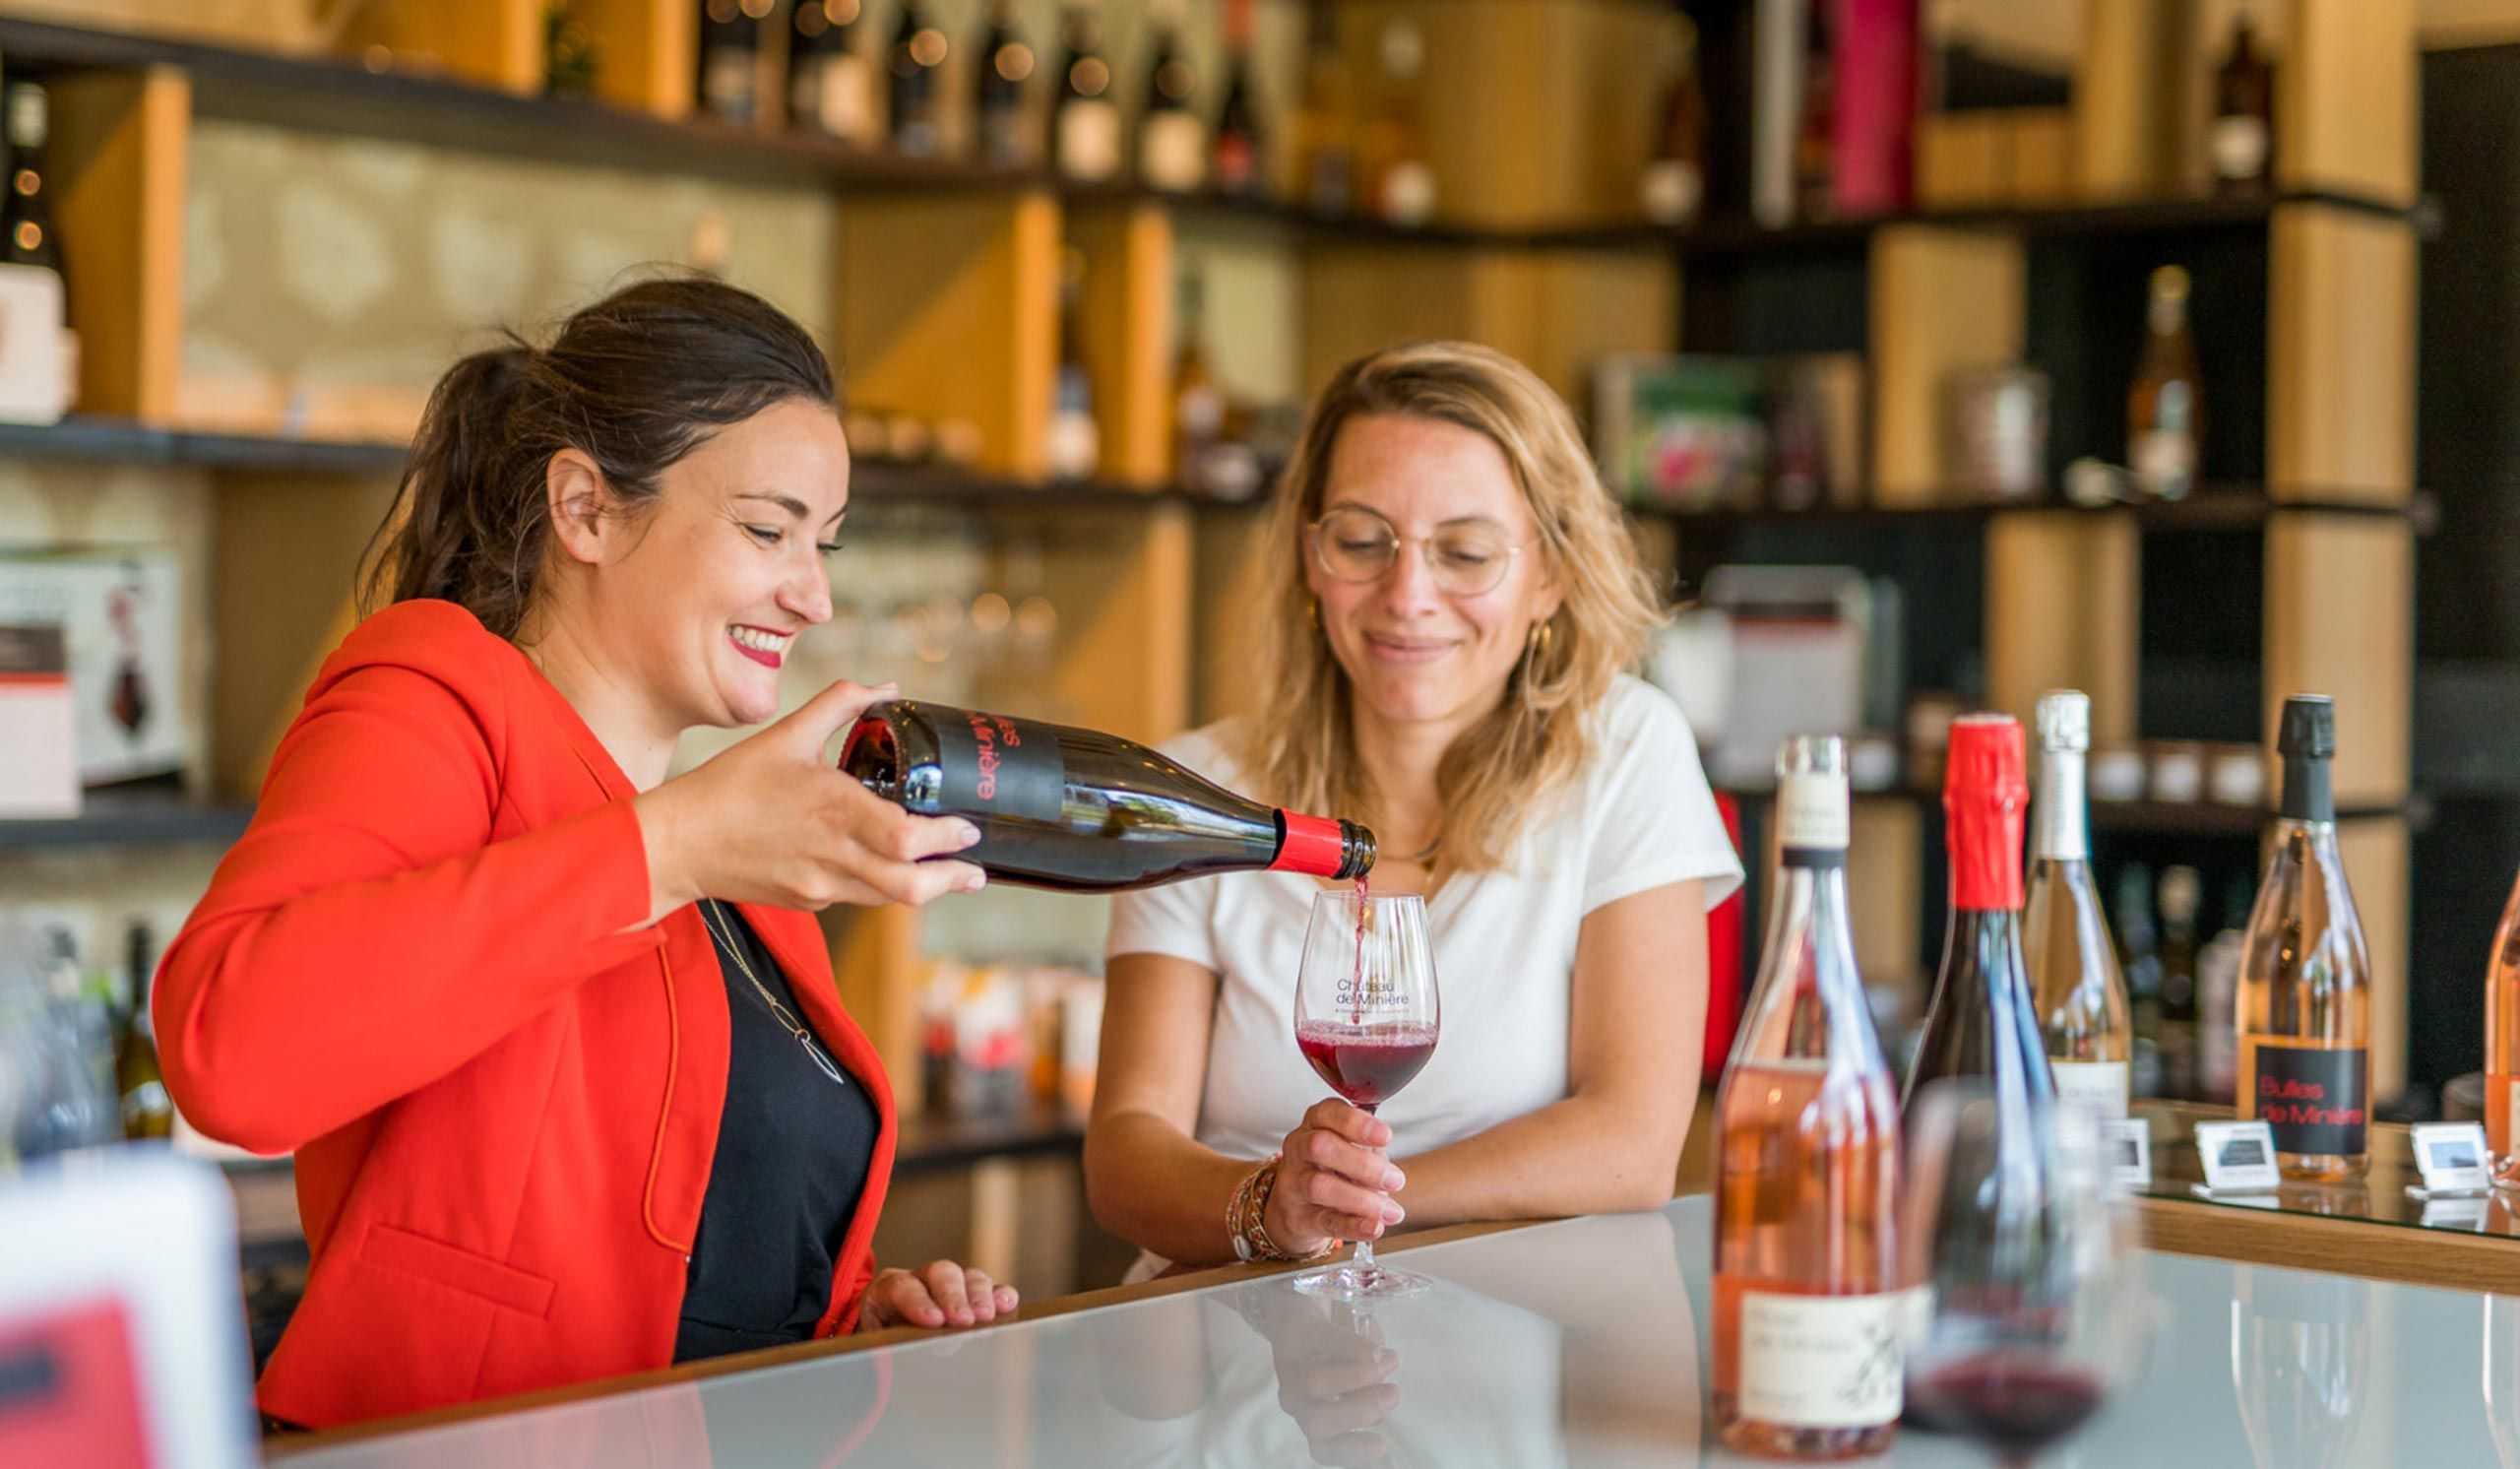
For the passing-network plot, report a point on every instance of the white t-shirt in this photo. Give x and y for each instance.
(1639, 817)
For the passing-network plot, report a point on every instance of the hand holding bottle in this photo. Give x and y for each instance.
(769, 821)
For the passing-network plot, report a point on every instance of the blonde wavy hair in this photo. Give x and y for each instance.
(1520, 760)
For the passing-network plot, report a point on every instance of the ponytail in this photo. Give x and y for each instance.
(635, 382)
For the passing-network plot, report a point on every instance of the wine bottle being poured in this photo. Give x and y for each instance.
(1077, 811)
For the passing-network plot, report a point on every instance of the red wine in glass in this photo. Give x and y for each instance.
(1366, 1064)
(1366, 1017)
(2018, 1404)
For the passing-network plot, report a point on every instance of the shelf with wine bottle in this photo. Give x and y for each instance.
(1717, 238)
(2212, 507)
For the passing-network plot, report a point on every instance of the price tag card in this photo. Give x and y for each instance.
(2127, 1144)
(2453, 1158)
(2239, 1157)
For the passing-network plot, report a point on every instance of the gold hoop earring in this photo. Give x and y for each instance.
(1313, 611)
(1537, 645)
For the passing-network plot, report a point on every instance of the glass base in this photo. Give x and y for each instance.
(1348, 1282)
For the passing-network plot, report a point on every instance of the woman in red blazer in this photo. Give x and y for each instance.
(555, 1038)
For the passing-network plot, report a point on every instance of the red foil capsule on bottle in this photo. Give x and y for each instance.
(1984, 797)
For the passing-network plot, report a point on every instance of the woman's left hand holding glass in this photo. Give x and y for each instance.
(938, 1294)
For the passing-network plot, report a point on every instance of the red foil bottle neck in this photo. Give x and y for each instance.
(1312, 846)
(1986, 797)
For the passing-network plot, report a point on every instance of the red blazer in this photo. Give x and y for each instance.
(418, 971)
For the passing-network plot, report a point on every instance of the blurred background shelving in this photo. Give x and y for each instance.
(277, 237)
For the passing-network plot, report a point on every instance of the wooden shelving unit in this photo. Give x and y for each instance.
(2329, 495)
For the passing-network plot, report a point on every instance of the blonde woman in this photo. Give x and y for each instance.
(1452, 607)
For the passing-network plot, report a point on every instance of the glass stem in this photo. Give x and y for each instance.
(1364, 1257)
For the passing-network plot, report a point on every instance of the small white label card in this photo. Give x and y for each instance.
(2239, 1157)
(2127, 1145)
(2453, 1159)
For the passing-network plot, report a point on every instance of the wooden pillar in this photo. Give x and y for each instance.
(1942, 300)
(1128, 320)
(121, 145)
(647, 52)
(2346, 99)
(949, 309)
(2064, 605)
(2339, 348)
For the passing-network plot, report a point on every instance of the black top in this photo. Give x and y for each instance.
(794, 1148)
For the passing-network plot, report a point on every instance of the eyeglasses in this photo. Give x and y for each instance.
(1466, 560)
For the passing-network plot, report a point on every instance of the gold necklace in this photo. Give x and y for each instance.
(724, 933)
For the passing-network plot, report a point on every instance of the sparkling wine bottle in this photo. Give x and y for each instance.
(2306, 976)
(1807, 1314)
(1980, 1021)
(2075, 987)
(1077, 811)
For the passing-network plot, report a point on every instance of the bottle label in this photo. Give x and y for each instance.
(2164, 459)
(1670, 191)
(726, 84)
(1172, 152)
(1812, 819)
(1409, 194)
(2098, 1085)
(1000, 769)
(1822, 1362)
(839, 95)
(2316, 1099)
(142, 1103)
(1089, 140)
(2237, 144)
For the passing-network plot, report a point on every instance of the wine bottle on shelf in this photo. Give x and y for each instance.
(831, 87)
(2240, 140)
(27, 232)
(918, 72)
(1237, 161)
(730, 59)
(1172, 140)
(147, 1111)
(1674, 179)
(2075, 985)
(1084, 124)
(569, 59)
(1807, 1174)
(2305, 976)
(2139, 960)
(1077, 811)
(2502, 1044)
(1198, 404)
(1325, 158)
(2165, 408)
(1815, 147)
(1006, 63)
(2183, 1071)
(1980, 1022)
(1075, 436)
(1399, 183)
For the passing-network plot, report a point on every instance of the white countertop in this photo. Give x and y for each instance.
(1581, 1343)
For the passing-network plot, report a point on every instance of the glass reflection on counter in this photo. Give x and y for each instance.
(2301, 1359)
(1474, 1372)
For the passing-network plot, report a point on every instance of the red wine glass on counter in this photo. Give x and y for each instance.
(2030, 1309)
(1366, 1017)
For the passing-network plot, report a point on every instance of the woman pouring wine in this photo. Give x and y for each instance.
(554, 1038)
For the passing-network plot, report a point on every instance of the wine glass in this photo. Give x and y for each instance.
(1366, 1015)
(2026, 1256)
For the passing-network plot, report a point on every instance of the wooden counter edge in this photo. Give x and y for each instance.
(286, 1446)
(2395, 1252)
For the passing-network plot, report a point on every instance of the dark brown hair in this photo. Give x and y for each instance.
(635, 382)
